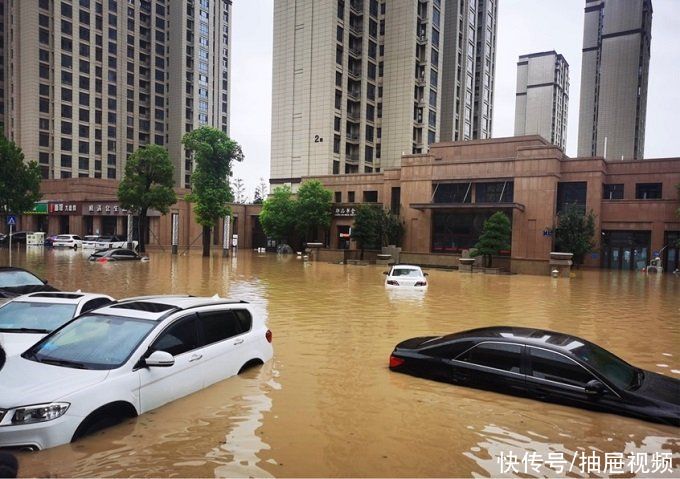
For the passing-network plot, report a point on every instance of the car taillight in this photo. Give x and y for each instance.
(392, 282)
(268, 335)
(421, 283)
(395, 362)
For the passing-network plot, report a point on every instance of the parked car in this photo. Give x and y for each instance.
(123, 360)
(405, 276)
(27, 319)
(115, 241)
(18, 237)
(68, 241)
(90, 241)
(544, 365)
(116, 254)
(49, 241)
(17, 281)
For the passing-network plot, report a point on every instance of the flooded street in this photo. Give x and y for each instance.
(328, 406)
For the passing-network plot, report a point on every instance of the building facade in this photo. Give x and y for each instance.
(614, 76)
(86, 83)
(542, 97)
(443, 198)
(359, 83)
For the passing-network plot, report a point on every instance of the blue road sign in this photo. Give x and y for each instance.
(11, 220)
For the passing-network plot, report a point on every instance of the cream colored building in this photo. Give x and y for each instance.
(359, 83)
(86, 83)
(614, 75)
(542, 97)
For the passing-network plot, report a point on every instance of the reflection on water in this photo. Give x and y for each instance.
(328, 406)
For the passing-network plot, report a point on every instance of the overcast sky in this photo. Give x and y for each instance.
(524, 26)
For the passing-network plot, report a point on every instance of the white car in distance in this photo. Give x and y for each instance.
(27, 319)
(67, 241)
(405, 276)
(123, 360)
(90, 241)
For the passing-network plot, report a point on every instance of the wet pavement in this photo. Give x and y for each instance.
(328, 406)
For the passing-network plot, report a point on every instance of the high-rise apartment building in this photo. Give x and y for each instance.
(542, 97)
(358, 83)
(87, 82)
(614, 74)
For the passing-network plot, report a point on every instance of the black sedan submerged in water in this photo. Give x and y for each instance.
(543, 365)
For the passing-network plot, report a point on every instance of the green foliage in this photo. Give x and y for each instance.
(19, 181)
(575, 232)
(213, 152)
(374, 227)
(278, 214)
(147, 183)
(260, 192)
(313, 209)
(495, 237)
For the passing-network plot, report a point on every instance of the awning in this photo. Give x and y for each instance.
(467, 206)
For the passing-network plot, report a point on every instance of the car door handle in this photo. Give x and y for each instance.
(195, 357)
(238, 341)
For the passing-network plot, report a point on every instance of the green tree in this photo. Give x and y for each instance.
(374, 228)
(313, 209)
(495, 237)
(278, 214)
(239, 190)
(575, 232)
(19, 181)
(213, 153)
(147, 183)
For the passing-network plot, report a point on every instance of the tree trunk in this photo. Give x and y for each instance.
(142, 229)
(206, 241)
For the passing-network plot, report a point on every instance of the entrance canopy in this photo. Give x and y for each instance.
(471, 207)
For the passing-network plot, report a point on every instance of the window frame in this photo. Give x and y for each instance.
(522, 351)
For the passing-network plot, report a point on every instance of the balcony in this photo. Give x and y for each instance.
(354, 73)
(354, 114)
(356, 29)
(354, 94)
(351, 157)
(355, 52)
(353, 137)
(356, 6)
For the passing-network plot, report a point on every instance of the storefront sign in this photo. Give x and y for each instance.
(344, 211)
(63, 208)
(38, 209)
(103, 209)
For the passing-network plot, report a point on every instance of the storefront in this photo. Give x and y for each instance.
(627, 250)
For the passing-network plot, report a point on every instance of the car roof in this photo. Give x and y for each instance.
(406, 266)
(537, 337)
(14, 268)
(59, 297)
(157, 308)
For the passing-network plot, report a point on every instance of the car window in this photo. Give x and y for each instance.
(92, 341)
(180, 337)
(95, 303)
(77, 238)
(221, 325)
(413, 273)
(608, 365)
(10, 279)
(47, 317)
(507, 357)
(559, 368)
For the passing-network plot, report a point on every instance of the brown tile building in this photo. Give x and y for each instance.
(86, 206)
(444, 196)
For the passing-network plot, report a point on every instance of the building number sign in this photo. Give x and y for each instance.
(318, 139)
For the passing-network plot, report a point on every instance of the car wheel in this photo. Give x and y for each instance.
(249, 365)
(94, 423)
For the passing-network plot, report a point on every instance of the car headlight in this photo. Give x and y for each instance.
(39, 413)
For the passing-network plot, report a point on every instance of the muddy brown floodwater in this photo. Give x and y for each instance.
(328, 406)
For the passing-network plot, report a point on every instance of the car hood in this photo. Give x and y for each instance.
(16, 343)
(12, 291)
(660, 388)
(29, 382)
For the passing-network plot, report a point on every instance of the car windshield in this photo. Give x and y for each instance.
(24, 316)
(93, 341)
(412, 273)
(616, 370)
(12, 279)
(91, 238)
(63, 237)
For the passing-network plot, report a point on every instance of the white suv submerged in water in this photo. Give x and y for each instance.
(123, 360)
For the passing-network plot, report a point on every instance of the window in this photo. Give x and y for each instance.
(370, 196)
(497, 192)
(648, 191)
(179, 338)
(506, 357)
(338, 196)
(221, 325)
(452, 193)
(350, 196)
(555, 367)
(571, 193)
(612, 192)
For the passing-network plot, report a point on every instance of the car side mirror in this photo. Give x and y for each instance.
(160, 359)
(45, 281)
(385, 273)
(426, 274)
(595, 388)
